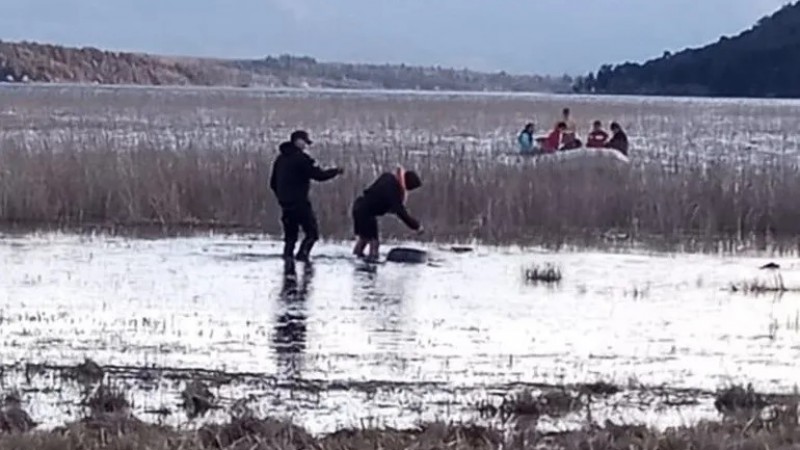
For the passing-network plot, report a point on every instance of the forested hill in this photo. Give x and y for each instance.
(763, 61)
(36, 62)
(396, 76)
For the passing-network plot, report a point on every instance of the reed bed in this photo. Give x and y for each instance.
(780, 432)
(464, 198)
(172, 161)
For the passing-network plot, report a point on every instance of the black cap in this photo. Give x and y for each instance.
(300, 134)
(412, 180)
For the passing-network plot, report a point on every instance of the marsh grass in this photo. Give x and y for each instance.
(547, 273)
(758, 286)
(118, 161)
(778, 432)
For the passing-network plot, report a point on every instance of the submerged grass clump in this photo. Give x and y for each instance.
(737, 398)
(547, 274)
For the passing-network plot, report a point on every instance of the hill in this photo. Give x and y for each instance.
(26, 61)
(759, 62)
(397, 76)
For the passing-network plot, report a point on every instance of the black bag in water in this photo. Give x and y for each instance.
(407, 255)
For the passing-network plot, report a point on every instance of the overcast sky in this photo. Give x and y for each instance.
(520, 36)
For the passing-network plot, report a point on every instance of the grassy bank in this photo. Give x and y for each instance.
(86, 181)
(105, 420)
(253, 434)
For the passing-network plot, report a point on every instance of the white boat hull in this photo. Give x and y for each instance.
(581, 157)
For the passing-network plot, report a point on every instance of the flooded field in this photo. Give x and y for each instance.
(625, 335)
(342, 346)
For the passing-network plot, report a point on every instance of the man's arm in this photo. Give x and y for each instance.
(403, 214)
(318, 174)
(273, 181)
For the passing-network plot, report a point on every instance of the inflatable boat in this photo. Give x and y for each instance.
(578, 156)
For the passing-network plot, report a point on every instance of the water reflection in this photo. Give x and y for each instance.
(384, 298)
(289, 336)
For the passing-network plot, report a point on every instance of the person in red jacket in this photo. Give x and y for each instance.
(552, 143)
(598, 137)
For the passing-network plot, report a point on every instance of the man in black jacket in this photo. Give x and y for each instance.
(386, 194)
(291, 177)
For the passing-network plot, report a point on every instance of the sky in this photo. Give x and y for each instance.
(517, 36)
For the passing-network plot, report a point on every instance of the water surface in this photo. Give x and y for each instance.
(339, 345)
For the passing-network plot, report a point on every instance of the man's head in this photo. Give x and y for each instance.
(561, 126)
(615, 127)
(300, 139)
(529, 127)
(597, 125)
(412, 180)
(565, 112)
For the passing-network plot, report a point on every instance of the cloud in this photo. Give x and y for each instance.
(298, 10)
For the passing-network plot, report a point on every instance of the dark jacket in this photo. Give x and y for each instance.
(619, 142)
(292, 173)
(385, 195)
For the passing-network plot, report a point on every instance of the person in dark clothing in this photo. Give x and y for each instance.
(619, 140)
(291, 177)
(386, 195)
(598, 137)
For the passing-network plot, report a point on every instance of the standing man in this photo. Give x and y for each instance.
(291, 177)
(570, 133)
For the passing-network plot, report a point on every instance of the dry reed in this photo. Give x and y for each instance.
(776, 432)
(462, 199)
(150, 161)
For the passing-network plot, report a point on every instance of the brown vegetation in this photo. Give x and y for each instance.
(52, 63)
(542, 274)
(776, 432)
(172, 160)
(30, 61)
(751, 420)
(463, 198)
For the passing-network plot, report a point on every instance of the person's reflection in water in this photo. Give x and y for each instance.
(383, 299)
(289, 337)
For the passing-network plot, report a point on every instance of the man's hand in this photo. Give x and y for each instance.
(339, 171)
(420, 230)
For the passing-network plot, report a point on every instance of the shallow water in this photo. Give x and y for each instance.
(395, 345)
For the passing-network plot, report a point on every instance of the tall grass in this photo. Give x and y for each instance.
(174, 162)
(463, 197)
(780, 431)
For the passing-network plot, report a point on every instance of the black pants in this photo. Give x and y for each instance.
(365, 224)
(293, 218)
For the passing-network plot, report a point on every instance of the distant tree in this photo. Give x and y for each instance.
(761, 61)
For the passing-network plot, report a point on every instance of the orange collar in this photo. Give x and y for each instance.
(400, 174)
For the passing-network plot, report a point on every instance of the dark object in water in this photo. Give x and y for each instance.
(738, 398)
(407, 255)
(197, 399)
(543, 274)
(460, 249)
(770, 266)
